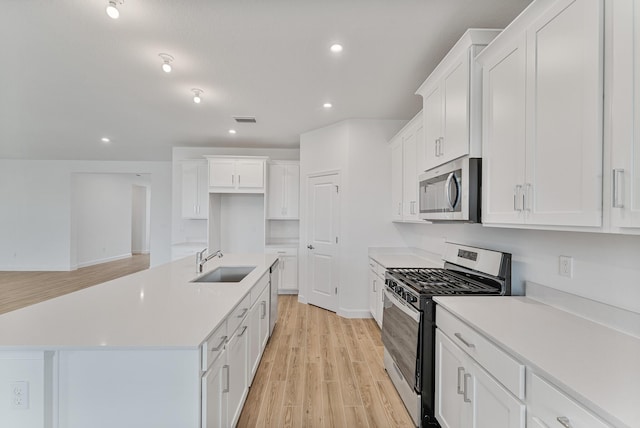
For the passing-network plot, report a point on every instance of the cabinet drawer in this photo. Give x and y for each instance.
(502, 366)
(547, 406)
(257, 289)
(214, 345)
(238, 314)
(377, 268)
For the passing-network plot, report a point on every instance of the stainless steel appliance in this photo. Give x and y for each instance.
(408, 322)
(451, 192)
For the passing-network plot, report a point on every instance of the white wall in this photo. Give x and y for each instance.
(101, 213)
(184, 230)
(606, 267)
(359, 150)
(140, 219)
(35, 210)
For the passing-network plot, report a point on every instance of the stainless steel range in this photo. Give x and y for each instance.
(408, 323)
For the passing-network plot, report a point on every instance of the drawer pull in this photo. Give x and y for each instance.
(467, 344)
(226, 388)
(464, 395)
(243, 330)
(244, 311)
(223, 339)
(460, 372)
(564, 421)
(264, 309)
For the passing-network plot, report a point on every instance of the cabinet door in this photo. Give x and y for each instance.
(203, 191)
(625, 117)
(189, 190)
(503, 148)
(254, 341)
(222, 173)
(373, 293)
(455, 87)
(215, 386)
(292, 191)
(396, 179)
(264, 318)
(433, 134)
(492, 405)
(237, 357)
(289, 272)
(380, 302)
(450, 379)
(564, 115)
(409, 176)
(250, 174)
(276, 189)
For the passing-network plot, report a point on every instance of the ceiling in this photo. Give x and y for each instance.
(70, 75)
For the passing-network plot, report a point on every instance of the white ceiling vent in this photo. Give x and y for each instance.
(245, 119)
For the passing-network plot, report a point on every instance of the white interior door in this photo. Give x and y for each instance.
(322, 240)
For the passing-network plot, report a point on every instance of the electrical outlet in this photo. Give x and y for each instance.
(565, 266)
(20, 395)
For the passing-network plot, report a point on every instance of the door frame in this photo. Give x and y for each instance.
(303, 274)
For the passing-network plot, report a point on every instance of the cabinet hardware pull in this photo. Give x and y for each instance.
(233, 179)
(526, 197)
(223, 339)
(374, 285)
(516, 193)
(460, 372)
(195, 209)
(564, 421)
(399, 208)
(238, 179)
(226, 388)
(242, 332)
(617, 186)
(244, 311)
(467, 344)
(435, 146)
(464, 395)
(264, 309)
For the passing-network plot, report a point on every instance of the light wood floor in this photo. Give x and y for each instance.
(321, 370)
(20, 289)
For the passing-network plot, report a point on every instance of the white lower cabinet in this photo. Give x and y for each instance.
(288, 269)
(467, 395)
(238, 381)
(376, 285)
(215, 386)
(258, 331)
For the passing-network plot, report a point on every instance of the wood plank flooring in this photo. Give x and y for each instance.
(321, 370)
(20, 289)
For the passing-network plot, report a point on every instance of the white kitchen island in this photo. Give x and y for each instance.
(129, 352)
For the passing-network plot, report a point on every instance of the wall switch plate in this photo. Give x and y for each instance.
(19, 395)
(565, 266)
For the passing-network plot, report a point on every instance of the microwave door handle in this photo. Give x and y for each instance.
(447, 187)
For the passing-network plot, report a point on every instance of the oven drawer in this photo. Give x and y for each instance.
(502, 366)
(547, 406)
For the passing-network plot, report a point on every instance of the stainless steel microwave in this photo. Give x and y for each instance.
(451, 192)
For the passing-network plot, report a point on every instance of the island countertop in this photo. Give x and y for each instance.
(154, 308)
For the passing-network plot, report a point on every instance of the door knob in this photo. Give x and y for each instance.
(311, 247)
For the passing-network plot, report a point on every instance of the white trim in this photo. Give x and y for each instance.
(287, 291)
(357, 313)
(105, 260)
(302, 299)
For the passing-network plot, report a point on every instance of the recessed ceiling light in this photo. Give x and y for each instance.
(105, 140)
(336, 48)
(327, 105)
(232, 131)
(197, 95)
(166, 62)
(112, 10)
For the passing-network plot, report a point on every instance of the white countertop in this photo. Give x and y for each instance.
(597, 365)
(404, 258)
(156, 308)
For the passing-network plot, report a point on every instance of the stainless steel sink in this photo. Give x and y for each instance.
(226, 274)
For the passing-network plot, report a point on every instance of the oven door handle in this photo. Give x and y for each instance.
(404, 307)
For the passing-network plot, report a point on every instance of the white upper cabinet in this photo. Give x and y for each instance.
(283, 193)
(452, 103)
(405, 149)
(542, 122)
(236, 174)
(622, 195)
(195, 193)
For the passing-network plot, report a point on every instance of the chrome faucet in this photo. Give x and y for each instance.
(201, 260)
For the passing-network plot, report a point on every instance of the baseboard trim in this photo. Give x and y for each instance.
(287, 291)
(357, 313)
(105, 260)
(302, 299)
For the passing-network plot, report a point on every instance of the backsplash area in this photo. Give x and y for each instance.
(606, 267)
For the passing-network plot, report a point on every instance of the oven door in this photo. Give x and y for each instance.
(401, 335)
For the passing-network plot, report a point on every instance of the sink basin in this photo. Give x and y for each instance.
(226, 274)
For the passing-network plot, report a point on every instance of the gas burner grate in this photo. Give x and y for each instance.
(441, 282)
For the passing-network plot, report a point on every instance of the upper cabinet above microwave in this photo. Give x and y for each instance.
(236, 174)
(452, 103)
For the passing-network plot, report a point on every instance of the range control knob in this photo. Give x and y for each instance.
(411, 299)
